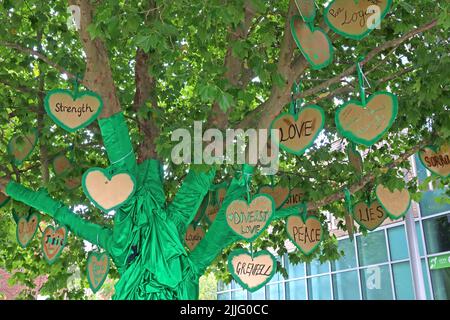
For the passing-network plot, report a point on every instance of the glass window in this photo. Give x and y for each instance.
(397, 243)
(428, 204)
(319, 288)
(275, 291)
(258, 295)
(419, 238)
(437, 234)
(295, 271)
(315, 267)
(345, 286)
(403, 281)
(441, 283)
(296, 290)
(425, 278)
(348, 260)
(376, 283)
(238, 295)
(372, 248)
(224, 296)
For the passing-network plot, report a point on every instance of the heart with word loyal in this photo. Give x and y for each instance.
(305, 234)
(194, 234)
(298, 132)
(248, 221)
(26, 229)
(53, 242)
(97, 270)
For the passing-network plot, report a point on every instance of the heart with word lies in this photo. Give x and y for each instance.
(295, 198)
(305, 234)
(371, 216)
(97, 269)
(366, 124)
(313, 42)
(108, 191)
(298, 132)
(356, 19)
(73, 111)
(248, 221)
(26, 229)
(436, 160)
(193, 236)
(21, 146)
(252, 272)
(53, 242)
(278, 193)
(396, 203)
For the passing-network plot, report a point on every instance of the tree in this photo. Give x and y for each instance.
(228, 63)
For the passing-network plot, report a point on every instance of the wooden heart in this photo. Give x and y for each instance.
(354, 157)
(21, 146)
(53, 242)
(3, 200)
(72, 183)
(370, 216)
(62, 165)
(252, 273)
(278, 193)
(396, 203)
(367, 124)
(307, 9)
(249, 221)
(306, 235)
(313, 42)
(97, 270)
(213, 209)
(72, 112)
(356, 19)
(26, 229)
(193, 236)
(298, 132)
(295, 198)
(108, 191)
(436, 161)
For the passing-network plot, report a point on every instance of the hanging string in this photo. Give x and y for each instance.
(272, 184)
(247, 185)
(295, 104)
(76, 84)
(361, 79)
(303, 210)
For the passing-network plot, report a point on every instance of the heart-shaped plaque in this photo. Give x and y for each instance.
(307, 9)
(21, 146)
(252, 273)
(62, 165)
(97, 269)
(306, 234)
(53, 242)
(396, 203)
(355, 19)
(298, 132)
(279, 194)
(313, 42)
(371, 216)
(26, 229)
(194, 234)
(72, 112)
(108, 191)
(213, 208)
(354, 157)
(436, 160)
(367, 124)
(3, 200)
(295, 198)
(249, 220)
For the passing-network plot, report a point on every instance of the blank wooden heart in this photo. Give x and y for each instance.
(436, 161)
(72, 182)
(249, 221)
(298, 132)
(295, 198)
(53, 242)
(26, 229)
(193, 236)
(355, 159)
(306, 235)
(73, 112)
(62, 165)
(367, 124)
(278, 193)
(355, 19)
(252, 273)
(21, 146)
(97, 270)
(396, 203)
(370, 216)
(106, 191)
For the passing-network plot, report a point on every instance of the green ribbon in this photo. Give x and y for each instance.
(295, 103)
(348, 201)
(362, 90)
(303, 210)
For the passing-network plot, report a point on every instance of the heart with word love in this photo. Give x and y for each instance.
(298, 132)
(396, 202)
(97, 270)
(252, 271)
(193, 236)
(305, 234)
(53, 242)
(436, 160)
(371, 215)
(26, 229)
(249, 220)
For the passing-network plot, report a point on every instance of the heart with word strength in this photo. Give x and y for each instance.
(305, 234)
(26, 229)
(396, 202)
(108, 191)
(366, 124)
(73, 111)
(370, 215)
(436, 160)
(194, 234)
(298, 132)
(97, 269)
(248, 221)
(252, 272)
(356, 19)
(279, 194)
(53, 242)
